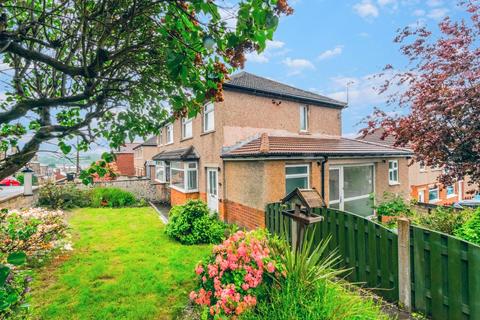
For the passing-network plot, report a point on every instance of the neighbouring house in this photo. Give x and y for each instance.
(264, 140)
(424, 185)
(125, 159)
(142, 153)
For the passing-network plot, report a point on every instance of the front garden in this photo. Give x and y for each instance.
(108, 257)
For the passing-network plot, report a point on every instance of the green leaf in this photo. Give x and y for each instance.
(17, 258)
(4, 272)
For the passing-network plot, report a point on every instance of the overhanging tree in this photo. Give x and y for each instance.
(442, 96)
(108, 68)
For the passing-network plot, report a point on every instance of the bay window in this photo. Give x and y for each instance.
(184, 176)
(208, 118)
(160, 171)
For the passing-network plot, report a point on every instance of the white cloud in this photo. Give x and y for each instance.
(437, 13)
(364, 34)
(419, 13)
(387, 2)
(331, 53)
(271, 50)
(434, 3)
(366, 9)
(296, 66)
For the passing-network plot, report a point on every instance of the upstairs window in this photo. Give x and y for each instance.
(422, 167)
(186, 128)
(393, 172)
(303, 118)
(296, 176)
(208, 118)
(160, 137)
(169, 130)
(451, 191)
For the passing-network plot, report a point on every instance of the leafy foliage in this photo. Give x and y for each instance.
(192, 223)
(67, 196)
(234, 275)
(443, 219)
(393, 205)
(21, 178)
(109, 68)
(470, 230)
(441, 90)
(112, 197)
(25, 236)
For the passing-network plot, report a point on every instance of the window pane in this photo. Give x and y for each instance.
(358, 181)
(178, 178)
(334, 185)
(292, 183)
(450, 190)
(176, 165)
(334, 205)
(192, 179)
(209, 121)
(192, 165)
(433, 194)
(361, 207)
(296, 170)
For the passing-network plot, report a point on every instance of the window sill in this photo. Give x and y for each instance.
(306, 133)
(451, 196)
(207, 132)
(183, 191)
(434, 201)
(393, 183)
(185, 139)
(167, 144)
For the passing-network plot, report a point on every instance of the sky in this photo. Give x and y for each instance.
(327, 44)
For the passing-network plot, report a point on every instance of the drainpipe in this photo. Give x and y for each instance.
(324, 161)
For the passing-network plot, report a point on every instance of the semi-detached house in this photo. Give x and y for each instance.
(264, 140)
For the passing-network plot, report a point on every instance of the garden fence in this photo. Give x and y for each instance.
(444, 271)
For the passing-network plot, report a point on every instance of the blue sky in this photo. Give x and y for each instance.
(326, 44)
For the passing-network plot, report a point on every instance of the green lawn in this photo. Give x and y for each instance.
(123, 267)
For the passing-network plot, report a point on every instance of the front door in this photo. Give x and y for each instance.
(212, 189)
(350, 188)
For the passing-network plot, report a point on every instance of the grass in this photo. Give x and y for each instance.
(123, 267)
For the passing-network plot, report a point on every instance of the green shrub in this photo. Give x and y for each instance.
(112, 197)
(65, 196)
(192, 223)
(21, 178)
(470, 230)
(443, 219)
(393, 205)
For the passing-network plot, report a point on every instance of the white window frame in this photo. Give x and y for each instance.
(298, 175)
(160, 137)
(341, 195)
(452, 195)
(160, 167)
(169, 133)
(421, 191)
(438, 195)
(209, 110)
(304, 110)
(187, 122)
(391, 171)
(423, 167)
(186, 169)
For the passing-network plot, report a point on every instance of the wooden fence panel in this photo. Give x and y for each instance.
(367, 249)
(445, 275)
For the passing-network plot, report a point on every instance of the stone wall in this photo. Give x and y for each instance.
(19, 201)
(142, 188)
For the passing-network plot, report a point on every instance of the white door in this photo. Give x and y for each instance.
(212, 189)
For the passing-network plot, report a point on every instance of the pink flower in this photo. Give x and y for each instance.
(193, 295)
(199, 270)
(270, 267)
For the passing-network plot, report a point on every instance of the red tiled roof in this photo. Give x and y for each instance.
(307, 146)
(376, 137)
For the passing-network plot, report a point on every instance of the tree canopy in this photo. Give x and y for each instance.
(441, 95)
(116, 69)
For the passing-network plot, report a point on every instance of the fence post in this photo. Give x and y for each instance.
(404, 281)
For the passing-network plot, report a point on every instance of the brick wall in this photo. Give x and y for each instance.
(125, 164)
(243, 216)
(178, 197)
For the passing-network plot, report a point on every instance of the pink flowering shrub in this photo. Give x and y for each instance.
(235, 275)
